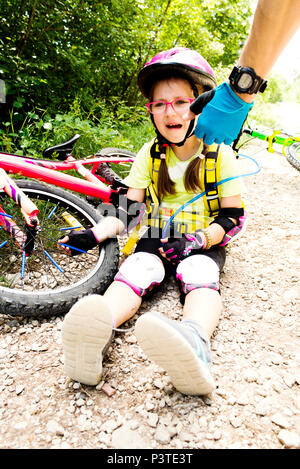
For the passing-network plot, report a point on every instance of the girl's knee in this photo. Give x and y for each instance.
(141, 271)
(198, 271)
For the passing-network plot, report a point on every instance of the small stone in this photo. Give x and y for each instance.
(262, 408)
(289, 380)
(54, 427)
(20, 388)
(131, 339)
(104, 438)
(262, 295)
(162, 435)
(149, 405)
(280, 420)
(207, 401)
(289, 439)
(276, 359)
(158, 383)
(236, 422)
(125, 438)
(99, 385)
(152, 420)
(217, 435)
(20, 425)
(108, 389)
(186, 436)
(43, 348)
(110, 425)
(133, 425)
(83, 424)
(35, 347)
(243, 399)
(221, 392)
(80, 402)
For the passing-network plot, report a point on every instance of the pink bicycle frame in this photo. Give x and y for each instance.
(50, 172)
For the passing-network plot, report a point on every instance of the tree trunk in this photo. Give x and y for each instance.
(25, 36)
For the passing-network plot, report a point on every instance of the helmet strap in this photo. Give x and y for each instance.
(163, 140)
(190, 130)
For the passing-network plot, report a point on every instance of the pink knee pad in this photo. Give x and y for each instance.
(198, 271)
(141, 271)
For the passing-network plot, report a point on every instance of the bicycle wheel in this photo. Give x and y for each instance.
(51, 281)
(115, 172)
(293, 155)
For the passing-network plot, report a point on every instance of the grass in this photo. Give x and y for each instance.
(40, 130)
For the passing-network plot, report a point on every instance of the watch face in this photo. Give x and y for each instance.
(245, 81)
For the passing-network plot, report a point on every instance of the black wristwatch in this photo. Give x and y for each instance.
(245, 80)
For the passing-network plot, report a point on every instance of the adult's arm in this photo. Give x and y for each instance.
(275, 23)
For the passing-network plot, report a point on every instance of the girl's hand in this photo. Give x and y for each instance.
(178, 249)
(61, 242)
(78, 242)
(161, 250)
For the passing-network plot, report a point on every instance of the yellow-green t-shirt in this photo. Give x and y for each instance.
(140, 178)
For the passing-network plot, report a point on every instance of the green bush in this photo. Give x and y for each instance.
(52, 52)
(128, 128)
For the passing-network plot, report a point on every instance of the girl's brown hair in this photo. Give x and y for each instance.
(192, 176)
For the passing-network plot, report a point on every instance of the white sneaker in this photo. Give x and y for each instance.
(179, 350)
(86, 331)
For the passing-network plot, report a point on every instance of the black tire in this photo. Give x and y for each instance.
(112, 172)
(44, 290)
(293, 155)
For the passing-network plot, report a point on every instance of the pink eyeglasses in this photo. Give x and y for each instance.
(179, 105)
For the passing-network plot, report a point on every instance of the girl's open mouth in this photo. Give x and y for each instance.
(174, 126)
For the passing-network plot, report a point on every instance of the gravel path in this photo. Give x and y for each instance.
(255, 351)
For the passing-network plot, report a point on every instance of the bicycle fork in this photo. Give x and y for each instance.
(24, 239)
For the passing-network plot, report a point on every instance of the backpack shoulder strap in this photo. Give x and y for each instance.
(210, 175)
(154, 165)
(154, 162)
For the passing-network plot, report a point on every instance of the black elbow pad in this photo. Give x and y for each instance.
(224, 217)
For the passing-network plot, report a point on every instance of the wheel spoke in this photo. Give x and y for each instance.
(53, 261)
(21, 271)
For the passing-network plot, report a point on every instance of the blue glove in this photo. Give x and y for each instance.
(223, 117)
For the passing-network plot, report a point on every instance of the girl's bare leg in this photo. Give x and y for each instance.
(204, 306)
(122, 301)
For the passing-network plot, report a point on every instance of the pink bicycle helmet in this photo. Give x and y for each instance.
(179, 61)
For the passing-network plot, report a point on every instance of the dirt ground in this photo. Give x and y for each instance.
(255, 350)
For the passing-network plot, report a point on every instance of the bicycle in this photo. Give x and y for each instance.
(36, 277)
(290, 144)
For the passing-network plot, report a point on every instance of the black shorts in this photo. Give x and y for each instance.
(152, 245)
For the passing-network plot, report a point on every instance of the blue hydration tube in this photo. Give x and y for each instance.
(198, 196)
